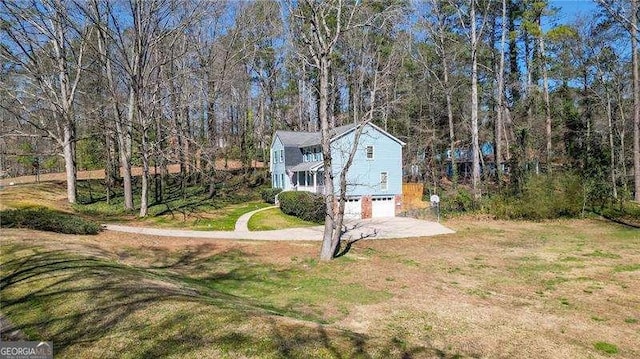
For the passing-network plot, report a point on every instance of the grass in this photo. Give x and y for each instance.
(189, 208)
(493, 289)
(273, 218)
(175, 304)
(45, 219)
(606, 348)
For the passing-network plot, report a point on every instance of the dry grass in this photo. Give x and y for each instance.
(494, 289)
(49, 194)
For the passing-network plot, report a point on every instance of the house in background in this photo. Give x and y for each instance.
(374, 180)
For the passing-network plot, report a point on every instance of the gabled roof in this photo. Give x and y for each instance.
(353, 127)
(306, 139)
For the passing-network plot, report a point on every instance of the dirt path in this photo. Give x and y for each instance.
(221, 165)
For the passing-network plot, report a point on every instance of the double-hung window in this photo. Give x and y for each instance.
(384, 181)
(369, 152)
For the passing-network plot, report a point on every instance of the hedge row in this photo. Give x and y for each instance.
(44, 219)
(304, 205)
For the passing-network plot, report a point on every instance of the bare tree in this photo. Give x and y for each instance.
(474, 33)
(321, 27)
(43, 40)
(628, 18)
(440, 32)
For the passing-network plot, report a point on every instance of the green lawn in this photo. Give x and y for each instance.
(494, 289)
(273, 218)
(193, 209)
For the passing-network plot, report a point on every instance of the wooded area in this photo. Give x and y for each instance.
(113, 84)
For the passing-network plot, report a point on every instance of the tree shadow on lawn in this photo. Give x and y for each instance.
(159, 310)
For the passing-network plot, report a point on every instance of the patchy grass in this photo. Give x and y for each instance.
(493, 289)
(273, 218)
(606, 348)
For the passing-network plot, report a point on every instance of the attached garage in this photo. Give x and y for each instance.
(383, 207)
(353, 208)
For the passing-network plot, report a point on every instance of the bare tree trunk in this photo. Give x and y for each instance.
(447, 89)
(144, 151)
(636, 99)
(547, 104)
(623, 152)
(124, 142)
(612, 152)
(474, 105)
(329, 244)
(123, 132)
(68, 150)
(500, 96)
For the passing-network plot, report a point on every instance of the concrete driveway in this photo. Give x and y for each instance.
(378, 228)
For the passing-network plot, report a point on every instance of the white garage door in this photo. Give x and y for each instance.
(353, 208)
(383, 207)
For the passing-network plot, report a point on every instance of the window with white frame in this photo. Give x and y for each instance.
(281, 156)
(384, 181)
(369, 152)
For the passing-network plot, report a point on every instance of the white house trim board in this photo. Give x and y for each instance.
(372, 125)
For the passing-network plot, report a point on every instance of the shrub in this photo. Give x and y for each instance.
(44, 219)
(541, 197)
(457, 200)
(304, 205)
(269, 194)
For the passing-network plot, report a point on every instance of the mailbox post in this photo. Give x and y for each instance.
(435, 205)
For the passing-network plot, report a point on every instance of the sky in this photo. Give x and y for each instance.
(569, 9)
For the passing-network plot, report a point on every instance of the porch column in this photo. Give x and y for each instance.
(315, 176)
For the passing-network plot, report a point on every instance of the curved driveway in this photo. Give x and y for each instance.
(397, 227)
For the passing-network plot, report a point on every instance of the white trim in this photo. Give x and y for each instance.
(372, 125)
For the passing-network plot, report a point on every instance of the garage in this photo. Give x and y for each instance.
(353, 208)
(383, 207)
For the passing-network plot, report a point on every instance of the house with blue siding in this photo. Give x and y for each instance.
(374, 180)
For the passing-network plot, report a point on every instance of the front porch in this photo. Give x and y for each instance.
(310, 181)
(307, 176)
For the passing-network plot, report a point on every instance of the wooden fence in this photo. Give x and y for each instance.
(412, 196)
